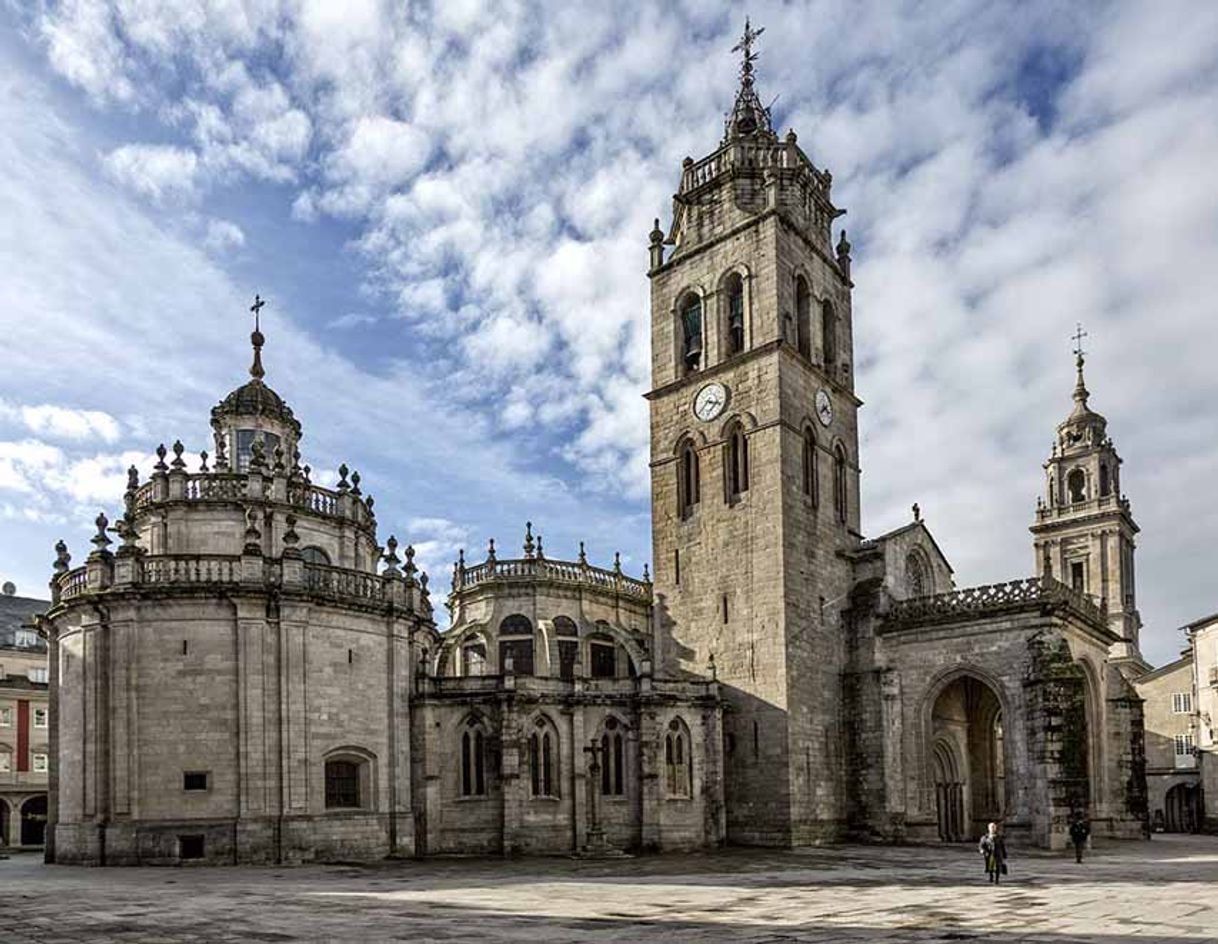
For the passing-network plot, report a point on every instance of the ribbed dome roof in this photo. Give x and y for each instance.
(256, 399)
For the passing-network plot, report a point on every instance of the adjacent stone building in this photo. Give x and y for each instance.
(1203, 646)
(25, 757)
(252, 677)
(1172, 778)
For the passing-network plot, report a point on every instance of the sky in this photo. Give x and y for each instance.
(447, 204)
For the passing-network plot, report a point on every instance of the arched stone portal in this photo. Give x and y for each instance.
(34, 820)
(1183, 808)
(967, 759)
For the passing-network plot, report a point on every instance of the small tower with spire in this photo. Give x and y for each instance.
(254, 412)
(1084, 530)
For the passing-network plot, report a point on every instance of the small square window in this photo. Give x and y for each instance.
(190, 847)
(40, 717)
(40, 763)
(194, 780)
(38, 675)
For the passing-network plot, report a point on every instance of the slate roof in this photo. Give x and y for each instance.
(17, 612)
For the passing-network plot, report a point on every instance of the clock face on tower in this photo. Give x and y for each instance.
(710, 401)
(824, 407)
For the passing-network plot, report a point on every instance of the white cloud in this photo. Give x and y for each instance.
(158, 171)
(62, 422)
(497, 172)
(223, 235)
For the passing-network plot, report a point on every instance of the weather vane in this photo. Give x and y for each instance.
(256, 308)
(746, 46)
(1077, 337)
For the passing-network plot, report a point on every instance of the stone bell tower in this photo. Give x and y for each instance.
(1084, 530)
(754, 459)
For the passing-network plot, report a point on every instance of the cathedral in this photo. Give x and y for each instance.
(245, 673)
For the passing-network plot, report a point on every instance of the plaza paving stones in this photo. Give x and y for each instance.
(1163, 890)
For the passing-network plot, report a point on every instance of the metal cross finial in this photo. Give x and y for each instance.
(746, 46)
(1077, 337)
(256, 308)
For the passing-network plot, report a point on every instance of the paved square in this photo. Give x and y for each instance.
(1164, 890)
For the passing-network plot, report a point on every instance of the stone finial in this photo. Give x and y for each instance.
(343, 485)
(917, 512)
(203, 461)
(221, 454)
(161, 453)
(529, 544)
(461, 559)
(423, 591)
(178, 462)
(369, 503)
(99, 540)
(280, 465)
(253, 536)
(583, 555)
(617, 562)
(843, 252)
(541, 552)
(307, 471)
(646, 574)
(290, 537)
(490, 551)
(390, 556)
(355, 484)
(133, 479)
(63, 559)
(409, 569)
(792, 137)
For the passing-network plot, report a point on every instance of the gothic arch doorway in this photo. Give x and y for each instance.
(34, 820)
(968, 758)
(1183, 808)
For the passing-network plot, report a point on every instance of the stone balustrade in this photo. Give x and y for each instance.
(187, 570)
(746, 154)
(994, 599)
(229, 487)
(526, 569)
(1045, 513)
(72, 583)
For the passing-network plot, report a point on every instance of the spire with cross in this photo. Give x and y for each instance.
(256, 369)
(748, 115)
(745, 46)
(1080, 388)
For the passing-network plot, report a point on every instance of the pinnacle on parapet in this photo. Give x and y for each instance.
(62, 558)
(528, 540)
(133, 480)
(161, 453)
(100, 540)
(178, 462)
(390, 556)
(541, 554)
(355, 480)
(583, 555)
(343, 485)
(203, 461)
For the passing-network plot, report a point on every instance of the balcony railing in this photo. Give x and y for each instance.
(231, 486)
(996, 598)
(526, 569)
(745, 155)
(188, 570)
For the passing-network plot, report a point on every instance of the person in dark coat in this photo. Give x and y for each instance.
(994, 848)
(1080, 829)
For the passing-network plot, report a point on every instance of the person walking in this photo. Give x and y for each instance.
(1080, 829)
(994, 848)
